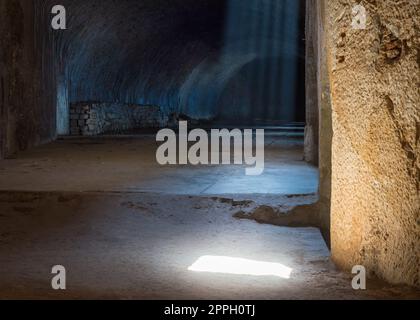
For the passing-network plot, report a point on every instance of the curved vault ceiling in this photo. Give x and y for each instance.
(171, 53)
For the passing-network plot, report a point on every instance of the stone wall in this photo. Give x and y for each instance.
(374, 76)
(312, 109)
(318, 131)
(27, 77)
(89, 119)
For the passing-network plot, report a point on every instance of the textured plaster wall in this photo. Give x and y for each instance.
(374, 79)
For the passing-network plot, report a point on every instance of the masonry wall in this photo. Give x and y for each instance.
(89, 119)
(374, 77)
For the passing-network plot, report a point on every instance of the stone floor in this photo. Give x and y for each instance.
(129, 164)
(126, 228)
(141, 246)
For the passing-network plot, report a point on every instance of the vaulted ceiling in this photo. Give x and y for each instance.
(171, 53)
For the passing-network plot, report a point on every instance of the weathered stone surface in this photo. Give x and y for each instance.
(27, 100)
(319, 105)
(374, 76)
(312, 76)
(111, 118)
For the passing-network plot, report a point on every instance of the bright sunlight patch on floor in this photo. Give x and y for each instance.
(239, 266)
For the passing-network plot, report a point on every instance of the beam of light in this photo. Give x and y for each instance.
(239, 266)
(256, 38)
(290, 63)
(274, 90)
(268, 29)
(264, 66)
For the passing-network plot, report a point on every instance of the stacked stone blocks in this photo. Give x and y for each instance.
(90, 119)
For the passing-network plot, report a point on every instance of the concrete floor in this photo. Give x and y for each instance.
(126, 228)
(129, 164)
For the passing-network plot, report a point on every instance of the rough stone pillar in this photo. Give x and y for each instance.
(312, 106)
(373, 74)
(318, 133)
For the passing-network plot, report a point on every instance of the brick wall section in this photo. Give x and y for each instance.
(89, 119)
